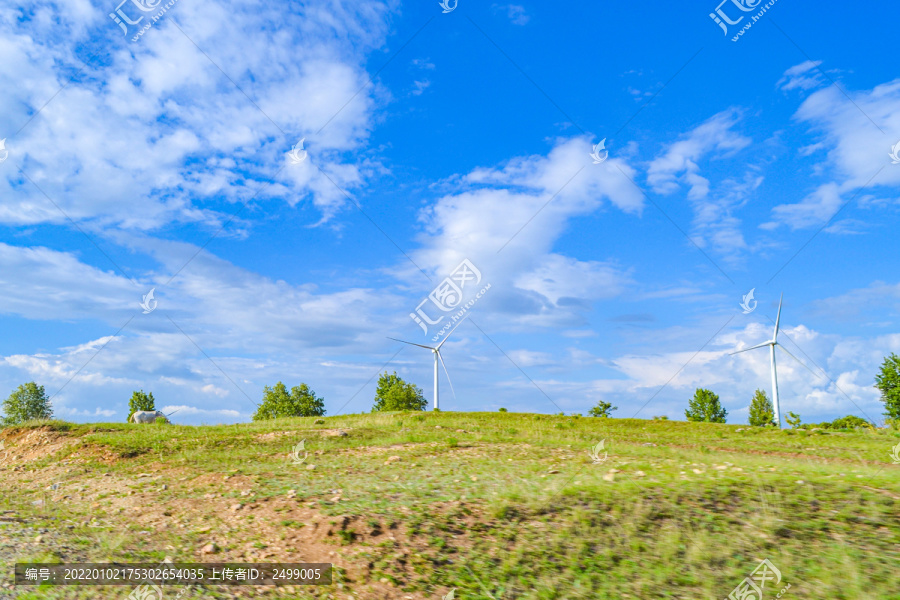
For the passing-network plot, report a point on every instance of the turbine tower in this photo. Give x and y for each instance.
(436, 350)
(771, 344)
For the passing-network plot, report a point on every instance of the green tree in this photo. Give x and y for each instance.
(762, 413)
(603, 409)
(28, 402)
(300, 402)
(140, 401)
(793, 420)
(888, 383)
(393, 393)
(705, 406)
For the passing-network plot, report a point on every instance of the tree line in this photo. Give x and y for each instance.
(30, 402)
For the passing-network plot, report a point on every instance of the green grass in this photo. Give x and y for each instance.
(514, 507)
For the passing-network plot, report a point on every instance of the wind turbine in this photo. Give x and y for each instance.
(436, 350)
(771, 344)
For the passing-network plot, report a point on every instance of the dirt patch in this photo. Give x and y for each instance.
(21, 446)
(267, 437)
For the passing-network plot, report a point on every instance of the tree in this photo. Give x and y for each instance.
(793, 420)
(762, 414)
(603, 409)
(393, 393)
(705, 406)
(300, 402)
(888, 383)
(140, 401)
(28, 402)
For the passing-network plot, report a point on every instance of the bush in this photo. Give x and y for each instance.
(762, 414)
(848, 422)
(393, 393)
(140, 401)
(603, 409)
(503, 410)
(301, 402)
(28, 402)
(661, 418)
(705, 407)
(793, 420)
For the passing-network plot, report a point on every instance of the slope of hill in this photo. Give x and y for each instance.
(491, 505)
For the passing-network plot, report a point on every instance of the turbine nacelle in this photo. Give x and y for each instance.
(436, 350)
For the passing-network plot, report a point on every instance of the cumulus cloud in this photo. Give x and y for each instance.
(506, 220)
(855, 131)
(159, 134)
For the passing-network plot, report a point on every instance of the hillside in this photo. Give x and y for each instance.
(491, 505)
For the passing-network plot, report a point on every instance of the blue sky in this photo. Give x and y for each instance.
(164, 163)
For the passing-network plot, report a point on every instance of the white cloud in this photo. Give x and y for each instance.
(515, 13)
(804, 76)
(521, 209)
(157, 134)
(715, 223)
(679, 164)
(856, 134)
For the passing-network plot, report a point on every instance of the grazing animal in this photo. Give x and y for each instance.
(147, 416)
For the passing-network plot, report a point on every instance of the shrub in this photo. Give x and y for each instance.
(503, 410)
(393, 394)
(849, 422)
(793, 420)
(661, 418)
(28, 402)
(705, 407)
(603, 409)
(301, 402)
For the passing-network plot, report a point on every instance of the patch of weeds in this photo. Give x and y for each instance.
(347, 536)
(452, 442)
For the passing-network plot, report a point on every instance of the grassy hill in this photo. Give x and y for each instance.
(491, 505)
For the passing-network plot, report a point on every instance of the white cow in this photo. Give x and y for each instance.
(147, 416)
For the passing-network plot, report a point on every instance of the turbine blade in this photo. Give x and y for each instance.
(750, 348)
(451, 331)
(778, 318)
(441, 358)
(411, 344)
(799, 361)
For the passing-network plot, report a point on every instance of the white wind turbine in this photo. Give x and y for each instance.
(771, 344)
(436, 350)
